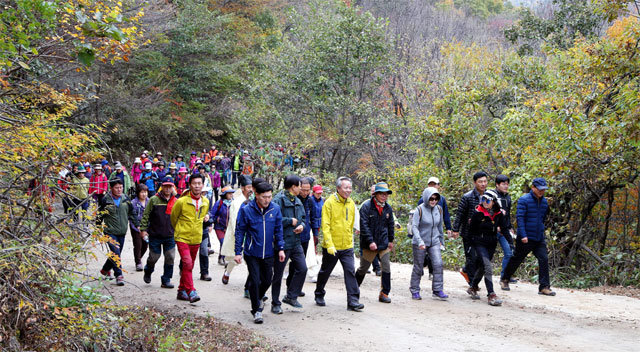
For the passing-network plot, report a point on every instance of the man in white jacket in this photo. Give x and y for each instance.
(228, 246)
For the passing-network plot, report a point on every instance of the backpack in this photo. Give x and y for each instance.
(419, 210)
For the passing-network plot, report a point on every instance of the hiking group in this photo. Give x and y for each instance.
(216, 194)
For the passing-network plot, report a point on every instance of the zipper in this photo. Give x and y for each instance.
(433, 221)
(264, 232)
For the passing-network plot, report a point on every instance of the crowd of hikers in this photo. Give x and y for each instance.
(178, 203)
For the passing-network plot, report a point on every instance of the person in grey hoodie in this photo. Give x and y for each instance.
(428, 237)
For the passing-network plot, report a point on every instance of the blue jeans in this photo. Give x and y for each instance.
(158, 246)
(506, 249)
(117, 250)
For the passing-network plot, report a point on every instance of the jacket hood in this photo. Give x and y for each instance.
(427, 193)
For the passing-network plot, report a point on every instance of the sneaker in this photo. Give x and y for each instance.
(221, 261)
(440, 295)
(430, 277)
(276, 309)
(264, 298)
(416, 296)
(147, 277)
(211, 251)
(246, 294)
(379, 272)
(106, 274)
(355, 307)
(464, 275)
(139, 267)
(257, 317)
(513, 281)
(302, 294)
(546, 292)
(225, 278)
(167, 284)
(193, 296)
(384, 298)
(504, 285)
(473, 292)
(493, 300)
(205, 277)
(182, 295)
(320, 302)
(292, 302)
(120, 280)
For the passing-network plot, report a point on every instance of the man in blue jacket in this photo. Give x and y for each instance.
(531, 212)
(259, 227)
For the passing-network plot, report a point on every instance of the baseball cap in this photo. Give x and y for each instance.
(540, 183)
(317, 189)
(168, 180)
(433, 179)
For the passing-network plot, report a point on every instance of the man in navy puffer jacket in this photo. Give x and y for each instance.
(531, 212)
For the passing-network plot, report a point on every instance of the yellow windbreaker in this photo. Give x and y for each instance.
(338, 216)
(187, 221)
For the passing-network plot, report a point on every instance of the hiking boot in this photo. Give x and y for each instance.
(513, 281)
(167, 284)
(292, 302)
(106, 274)
(147, 277)
(355, 307)
(493, 300)
(473, 292)
(276, 309)
(193, 297)
(246, 294)
(465, 276)
(182, 295)
(504, 285)
(257, 317)
(205, 277)
(546, 292)
(439, 295)
(225, 278)
(384, 298)
(416, 296)
(139, 267)
(320, 302)
(120, 280)
(302, 294)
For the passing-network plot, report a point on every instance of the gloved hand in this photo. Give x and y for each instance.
(331, 250)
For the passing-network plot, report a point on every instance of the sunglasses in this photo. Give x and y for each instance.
(487, 200)
(433, 199)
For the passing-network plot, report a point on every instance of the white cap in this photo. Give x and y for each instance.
(433, 179)
(147, 166)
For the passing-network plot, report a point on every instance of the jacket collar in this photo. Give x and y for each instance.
(484, 211)
(254, 204)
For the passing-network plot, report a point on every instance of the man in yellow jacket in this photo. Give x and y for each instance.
(187, 216)
(338, 214)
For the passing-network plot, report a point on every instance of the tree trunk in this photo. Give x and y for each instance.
(603, 238)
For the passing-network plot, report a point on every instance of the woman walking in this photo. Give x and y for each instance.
(428, 238)
(139, 203)
(220, 216)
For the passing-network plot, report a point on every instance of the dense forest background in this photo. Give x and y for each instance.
(395, 90)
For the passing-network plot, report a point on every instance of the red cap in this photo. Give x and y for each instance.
(317, 189)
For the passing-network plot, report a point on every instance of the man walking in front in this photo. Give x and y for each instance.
(376, 237)
(531, 212)
(187, 216)
(467, 205)
(259, 228)
(338, 215)
(293, 223)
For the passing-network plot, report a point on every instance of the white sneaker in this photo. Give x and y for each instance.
(257, 318)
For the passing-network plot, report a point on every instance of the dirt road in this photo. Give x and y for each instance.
(570, 321)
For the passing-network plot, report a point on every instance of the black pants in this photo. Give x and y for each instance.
(539, 249)
(297, 273)
(260, 276)
(470, 257)
(305, 246)
(328, 263)
(485, 252)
